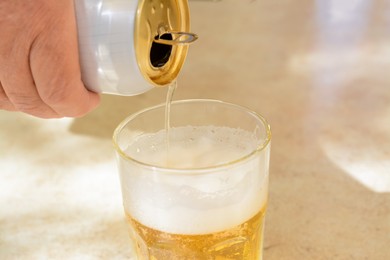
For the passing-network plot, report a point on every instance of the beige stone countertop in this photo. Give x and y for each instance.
(318, 70)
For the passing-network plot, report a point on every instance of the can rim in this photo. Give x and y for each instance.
(173, 16)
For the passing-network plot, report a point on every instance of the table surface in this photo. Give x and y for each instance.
(317, 70)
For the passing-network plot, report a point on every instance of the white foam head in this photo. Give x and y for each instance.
(195, 201)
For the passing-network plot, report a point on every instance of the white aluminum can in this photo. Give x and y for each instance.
(121, 43)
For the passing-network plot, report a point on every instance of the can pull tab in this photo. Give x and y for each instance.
(175, 38)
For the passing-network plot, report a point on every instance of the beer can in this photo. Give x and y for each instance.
(126, 47)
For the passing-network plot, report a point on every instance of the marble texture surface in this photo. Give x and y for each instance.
(318, 70)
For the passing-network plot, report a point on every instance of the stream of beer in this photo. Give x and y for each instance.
(171, 91)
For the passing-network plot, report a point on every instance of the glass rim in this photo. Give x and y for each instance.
(200, 170)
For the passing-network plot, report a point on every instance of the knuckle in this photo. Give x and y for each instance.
(6, 104)
(3, 98)
(55, 95)
(26, 103)
(66, 100)
(33, 106)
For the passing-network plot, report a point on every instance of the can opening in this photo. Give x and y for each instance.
(160, 53)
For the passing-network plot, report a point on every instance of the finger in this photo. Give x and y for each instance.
(4, 101)
(20, 90)
(16, 79)
(55, 66)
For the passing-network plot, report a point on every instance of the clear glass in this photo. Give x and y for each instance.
(202, 196)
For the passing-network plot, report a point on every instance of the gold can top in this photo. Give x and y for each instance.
(161, 39)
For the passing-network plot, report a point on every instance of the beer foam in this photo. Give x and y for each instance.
(189, 202)
(193, 147)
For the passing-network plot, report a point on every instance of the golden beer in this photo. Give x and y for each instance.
(242, 242)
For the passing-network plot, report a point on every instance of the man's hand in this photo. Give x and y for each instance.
(39, 61)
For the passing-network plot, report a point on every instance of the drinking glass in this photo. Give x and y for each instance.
(198, 189)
